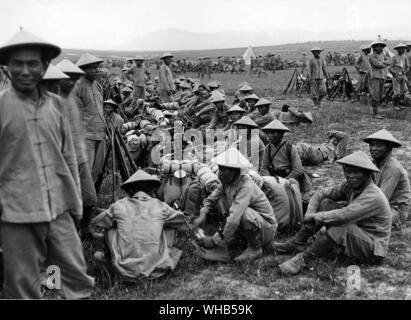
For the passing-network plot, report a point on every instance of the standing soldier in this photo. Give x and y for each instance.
(317, 74)
(399, 68)
(139, 76)
(304, 64)
(166, 82)
(409, 63)
(208, 66)
(70, 109)
(379, 63)
(89, 97)
(40, 187)
(362, 64)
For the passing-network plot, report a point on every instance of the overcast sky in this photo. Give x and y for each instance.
(91, 23)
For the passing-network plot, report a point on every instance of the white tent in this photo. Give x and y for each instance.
(248, 54)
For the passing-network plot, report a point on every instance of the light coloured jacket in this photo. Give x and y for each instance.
(140, 235)
(70, 110)
(316, 69)
(399, 65)
(393, 181)
(89, 98)
(379, 64)
(243, 193)
(39, 177)
(166, 81)
(362, 64)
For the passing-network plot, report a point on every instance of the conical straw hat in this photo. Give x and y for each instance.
(232, 158)
(235, 108)
(141, 177)
(217, 96)
(262, 102)
(252, 97)
(246, 121)
(87, 59)
(359, 159)
(383, 135)
(53, 73)
(25, 39)
(276, 125)
(67, 66)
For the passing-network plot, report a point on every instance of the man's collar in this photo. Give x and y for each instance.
(43, 94)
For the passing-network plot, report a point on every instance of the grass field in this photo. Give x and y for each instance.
(197, 279)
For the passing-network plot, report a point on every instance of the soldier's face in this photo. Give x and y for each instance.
(67, 85)
(139, 63)
(275, 137)
(316, 54)
(251, 103)
(378, 49)
(263, 109)
(235, 116)
(26, 69)
(401, 51)
(378, 149)
(108, 109)
(227, 175)
(91, 72)
(356, 177)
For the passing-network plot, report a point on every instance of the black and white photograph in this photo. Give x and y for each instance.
(206, 155)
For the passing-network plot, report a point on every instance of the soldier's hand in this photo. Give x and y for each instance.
(201, 219)
(309, 217)
(207, 242)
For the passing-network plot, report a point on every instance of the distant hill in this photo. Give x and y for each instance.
(287, 51)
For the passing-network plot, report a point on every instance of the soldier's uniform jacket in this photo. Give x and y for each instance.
(399, 65)
(316, 69)
(38, 167)
(367, 208)
(220, 118)
(261, 120)
(166, 81)
(89, 98)
(379, 64)
(393, 181)
(362, 64)
(242, 194)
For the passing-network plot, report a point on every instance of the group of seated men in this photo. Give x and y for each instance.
(354, 218)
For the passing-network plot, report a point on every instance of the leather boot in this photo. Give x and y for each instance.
(322, 246)
(298, 243)
(254, 249)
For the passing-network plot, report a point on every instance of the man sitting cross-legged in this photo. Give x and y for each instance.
(361, 228)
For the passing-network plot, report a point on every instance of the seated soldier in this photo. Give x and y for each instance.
(244, 90)
(392, 178)
(220, 118)
(361, 228)
(333, 150)
(248, 211)
(248, 141)
(113, 119)
(281, 158)
(140, 230)
(264, 115)
(234, 114)
(249, 104)
(285, 199)
(291, 116)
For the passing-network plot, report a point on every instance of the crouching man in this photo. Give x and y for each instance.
(140, 230)
(362, 228)
(249, 212)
